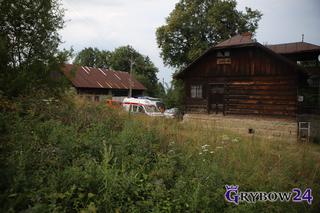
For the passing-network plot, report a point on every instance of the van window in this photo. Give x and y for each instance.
(134, 108)
(141, 110)
(151, 108)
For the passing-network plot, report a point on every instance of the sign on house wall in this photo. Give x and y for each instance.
(224, 61)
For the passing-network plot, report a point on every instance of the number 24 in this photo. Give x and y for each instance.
(306, 196)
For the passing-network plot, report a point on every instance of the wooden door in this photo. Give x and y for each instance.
(216, 98)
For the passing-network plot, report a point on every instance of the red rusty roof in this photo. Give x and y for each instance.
(89, 77)
(293, 47)
(244, 38)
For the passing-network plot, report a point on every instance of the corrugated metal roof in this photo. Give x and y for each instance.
(88, 77)
(244, 38)
(294, 47)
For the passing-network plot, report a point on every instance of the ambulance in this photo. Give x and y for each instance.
(143, 106)
(156, 101)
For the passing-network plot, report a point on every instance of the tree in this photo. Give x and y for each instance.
(93, 57)
(29, 43)
(195, 25)
(143, 68)
(174, 95)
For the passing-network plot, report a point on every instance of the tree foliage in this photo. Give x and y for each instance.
(175, 94)
(93, 57)
(29, 43)
(142, 65)
(195, 25)
(120, 59)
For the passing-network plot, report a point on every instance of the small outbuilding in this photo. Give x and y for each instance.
(99, 83)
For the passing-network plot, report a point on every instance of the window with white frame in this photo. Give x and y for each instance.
(196, 91)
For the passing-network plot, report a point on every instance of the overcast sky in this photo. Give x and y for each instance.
(108, 24)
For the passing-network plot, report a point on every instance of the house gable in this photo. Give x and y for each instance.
(245, 60)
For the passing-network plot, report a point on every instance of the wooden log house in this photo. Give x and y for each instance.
(242, 76)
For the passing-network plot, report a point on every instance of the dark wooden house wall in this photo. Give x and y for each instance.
(256, 82)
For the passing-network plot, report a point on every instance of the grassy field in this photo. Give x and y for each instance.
(66, 155)
(252, 163)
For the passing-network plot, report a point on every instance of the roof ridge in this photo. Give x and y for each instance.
(293, 47)
(297, 42)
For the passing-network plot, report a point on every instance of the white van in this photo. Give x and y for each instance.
(137, 105)
(155, 101)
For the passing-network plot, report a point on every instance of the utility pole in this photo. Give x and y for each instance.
(130, 83)
(163, 86)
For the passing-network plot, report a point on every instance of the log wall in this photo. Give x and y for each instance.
(261, 97)
(255, 82)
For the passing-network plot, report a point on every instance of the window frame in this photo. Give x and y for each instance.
(196, 91)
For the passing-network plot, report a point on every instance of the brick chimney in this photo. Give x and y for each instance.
(247, 34)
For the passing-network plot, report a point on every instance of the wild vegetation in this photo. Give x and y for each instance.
(67, 155)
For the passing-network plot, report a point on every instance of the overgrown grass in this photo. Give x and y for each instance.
(66, 155)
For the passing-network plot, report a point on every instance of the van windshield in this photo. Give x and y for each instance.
(151, 108)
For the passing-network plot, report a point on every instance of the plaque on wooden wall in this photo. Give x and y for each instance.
(224, 61)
